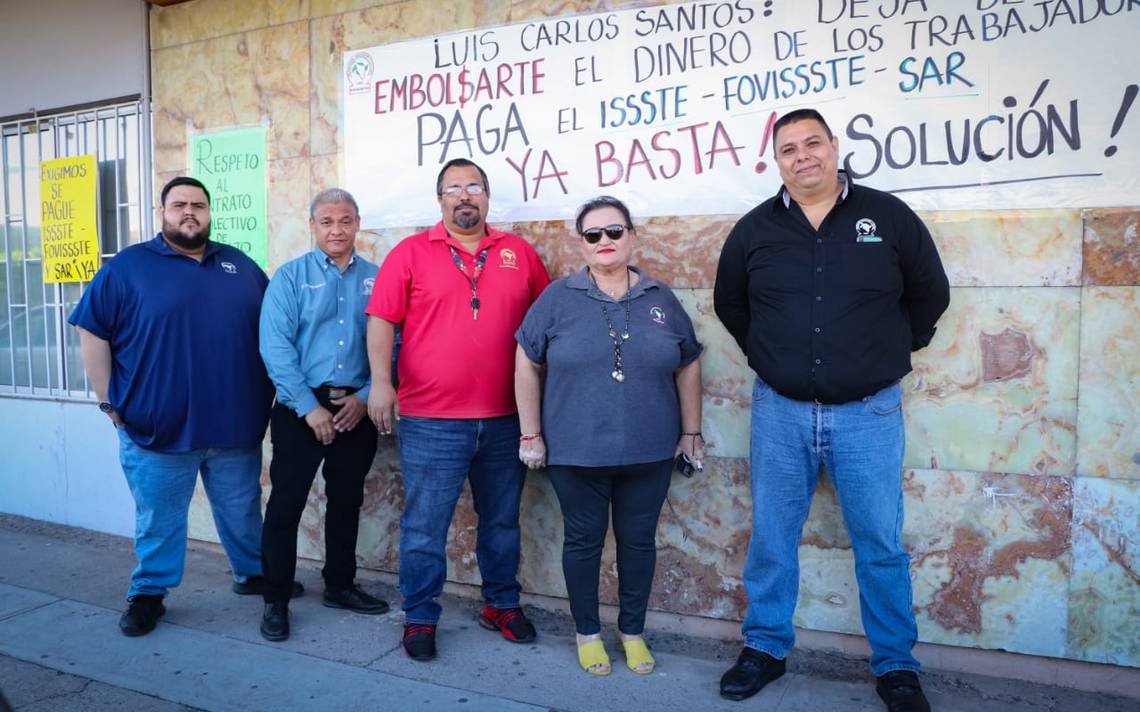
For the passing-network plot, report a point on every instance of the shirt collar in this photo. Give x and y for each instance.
(439, 232)
(326, 261)
(844, 180)
(162, 247)
(581, 280)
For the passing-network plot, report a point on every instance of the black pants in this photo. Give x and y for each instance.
(296, 456)
(586, 494)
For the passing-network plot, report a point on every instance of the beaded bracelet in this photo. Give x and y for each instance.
(525, 438)
(695, 435)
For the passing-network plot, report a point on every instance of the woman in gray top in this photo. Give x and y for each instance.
(609, 392)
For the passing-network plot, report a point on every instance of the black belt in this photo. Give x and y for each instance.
(327, 392)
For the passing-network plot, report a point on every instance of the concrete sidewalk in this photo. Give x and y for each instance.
(61, 593)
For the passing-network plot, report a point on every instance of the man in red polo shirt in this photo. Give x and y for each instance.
(459, 292)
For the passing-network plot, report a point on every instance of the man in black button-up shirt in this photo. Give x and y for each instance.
(827, 287)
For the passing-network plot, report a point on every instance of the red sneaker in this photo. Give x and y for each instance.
(511, 622)
(419, 641)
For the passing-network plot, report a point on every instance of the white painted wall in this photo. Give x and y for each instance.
(59, 462)
(56, 53)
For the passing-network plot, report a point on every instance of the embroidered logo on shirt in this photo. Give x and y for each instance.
(865, 231)
(508, 259)
(229, 268)
(657, 314)
(366, 286)
(317, 285)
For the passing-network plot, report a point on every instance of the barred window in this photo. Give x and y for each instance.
(39, 351)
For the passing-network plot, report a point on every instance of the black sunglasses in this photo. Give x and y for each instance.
(594, 234)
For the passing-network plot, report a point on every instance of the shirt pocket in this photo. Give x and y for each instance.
(869, 267)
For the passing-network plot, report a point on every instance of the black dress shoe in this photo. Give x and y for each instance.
(275, 621)
(354, 599)
(902, 692)
(142, 614)
(255, 586)
(752, 671)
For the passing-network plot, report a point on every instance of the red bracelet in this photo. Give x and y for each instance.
(536, 436)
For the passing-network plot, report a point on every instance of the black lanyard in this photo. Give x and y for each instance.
(472, 279)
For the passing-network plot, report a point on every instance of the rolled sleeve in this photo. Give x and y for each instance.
(392, 289)
(98, 309)
(533, 333)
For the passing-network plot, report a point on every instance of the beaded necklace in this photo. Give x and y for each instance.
(618, 374)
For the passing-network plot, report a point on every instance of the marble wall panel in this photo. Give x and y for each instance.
(996, 391)
(208, 19)
(1104, 592)
(1112, 246)
(246, 79)
(378, 540)
(990, 558)
(288, 208)
(726, 379)
(1108, 408)
(1008, 248)
(702, 542)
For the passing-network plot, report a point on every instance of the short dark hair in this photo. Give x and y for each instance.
(602, 201)
(460, 162)
(798, 115)
(183, 180)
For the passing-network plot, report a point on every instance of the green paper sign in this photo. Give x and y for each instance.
(232, 166)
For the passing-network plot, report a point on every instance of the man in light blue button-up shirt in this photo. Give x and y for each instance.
(313, 344)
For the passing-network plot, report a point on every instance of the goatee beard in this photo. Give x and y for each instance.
(190, 243)
(467, 220)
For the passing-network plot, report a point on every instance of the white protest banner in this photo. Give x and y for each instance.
(952, 104)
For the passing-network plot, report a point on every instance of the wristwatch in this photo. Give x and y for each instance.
(106, 407)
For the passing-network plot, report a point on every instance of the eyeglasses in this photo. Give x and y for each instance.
(594, 234)
(470, 189)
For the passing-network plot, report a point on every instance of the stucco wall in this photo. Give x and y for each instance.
(1023, 416)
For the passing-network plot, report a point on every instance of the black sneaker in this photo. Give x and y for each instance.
(752, 671)
(419, 641)
(275, 621)
(143, 612)
(901, 691)
(355, 599)
(256, 585)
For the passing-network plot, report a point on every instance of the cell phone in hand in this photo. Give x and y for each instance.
(684, 465)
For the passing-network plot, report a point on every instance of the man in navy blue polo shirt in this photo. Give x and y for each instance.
(168, 334)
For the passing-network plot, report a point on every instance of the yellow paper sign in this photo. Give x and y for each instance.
(70, 235)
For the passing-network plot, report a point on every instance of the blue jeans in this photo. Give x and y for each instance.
(162, 485)
(436, 456)
(861, 445)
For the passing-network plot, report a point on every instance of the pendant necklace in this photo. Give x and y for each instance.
(618, 374)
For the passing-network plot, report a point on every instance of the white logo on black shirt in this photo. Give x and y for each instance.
(229, 268)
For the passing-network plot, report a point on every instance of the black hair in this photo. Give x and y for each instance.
(602, 201)
(799, 115)
(184, 180)
(460, 162)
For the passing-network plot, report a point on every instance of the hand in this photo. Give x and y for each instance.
(383, 407)
(694, 447)
(533, 452)
(351, 411)
(115, 419)
(321, 421)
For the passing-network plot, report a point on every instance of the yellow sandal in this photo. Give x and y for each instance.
(637, 656)
(593, 659)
